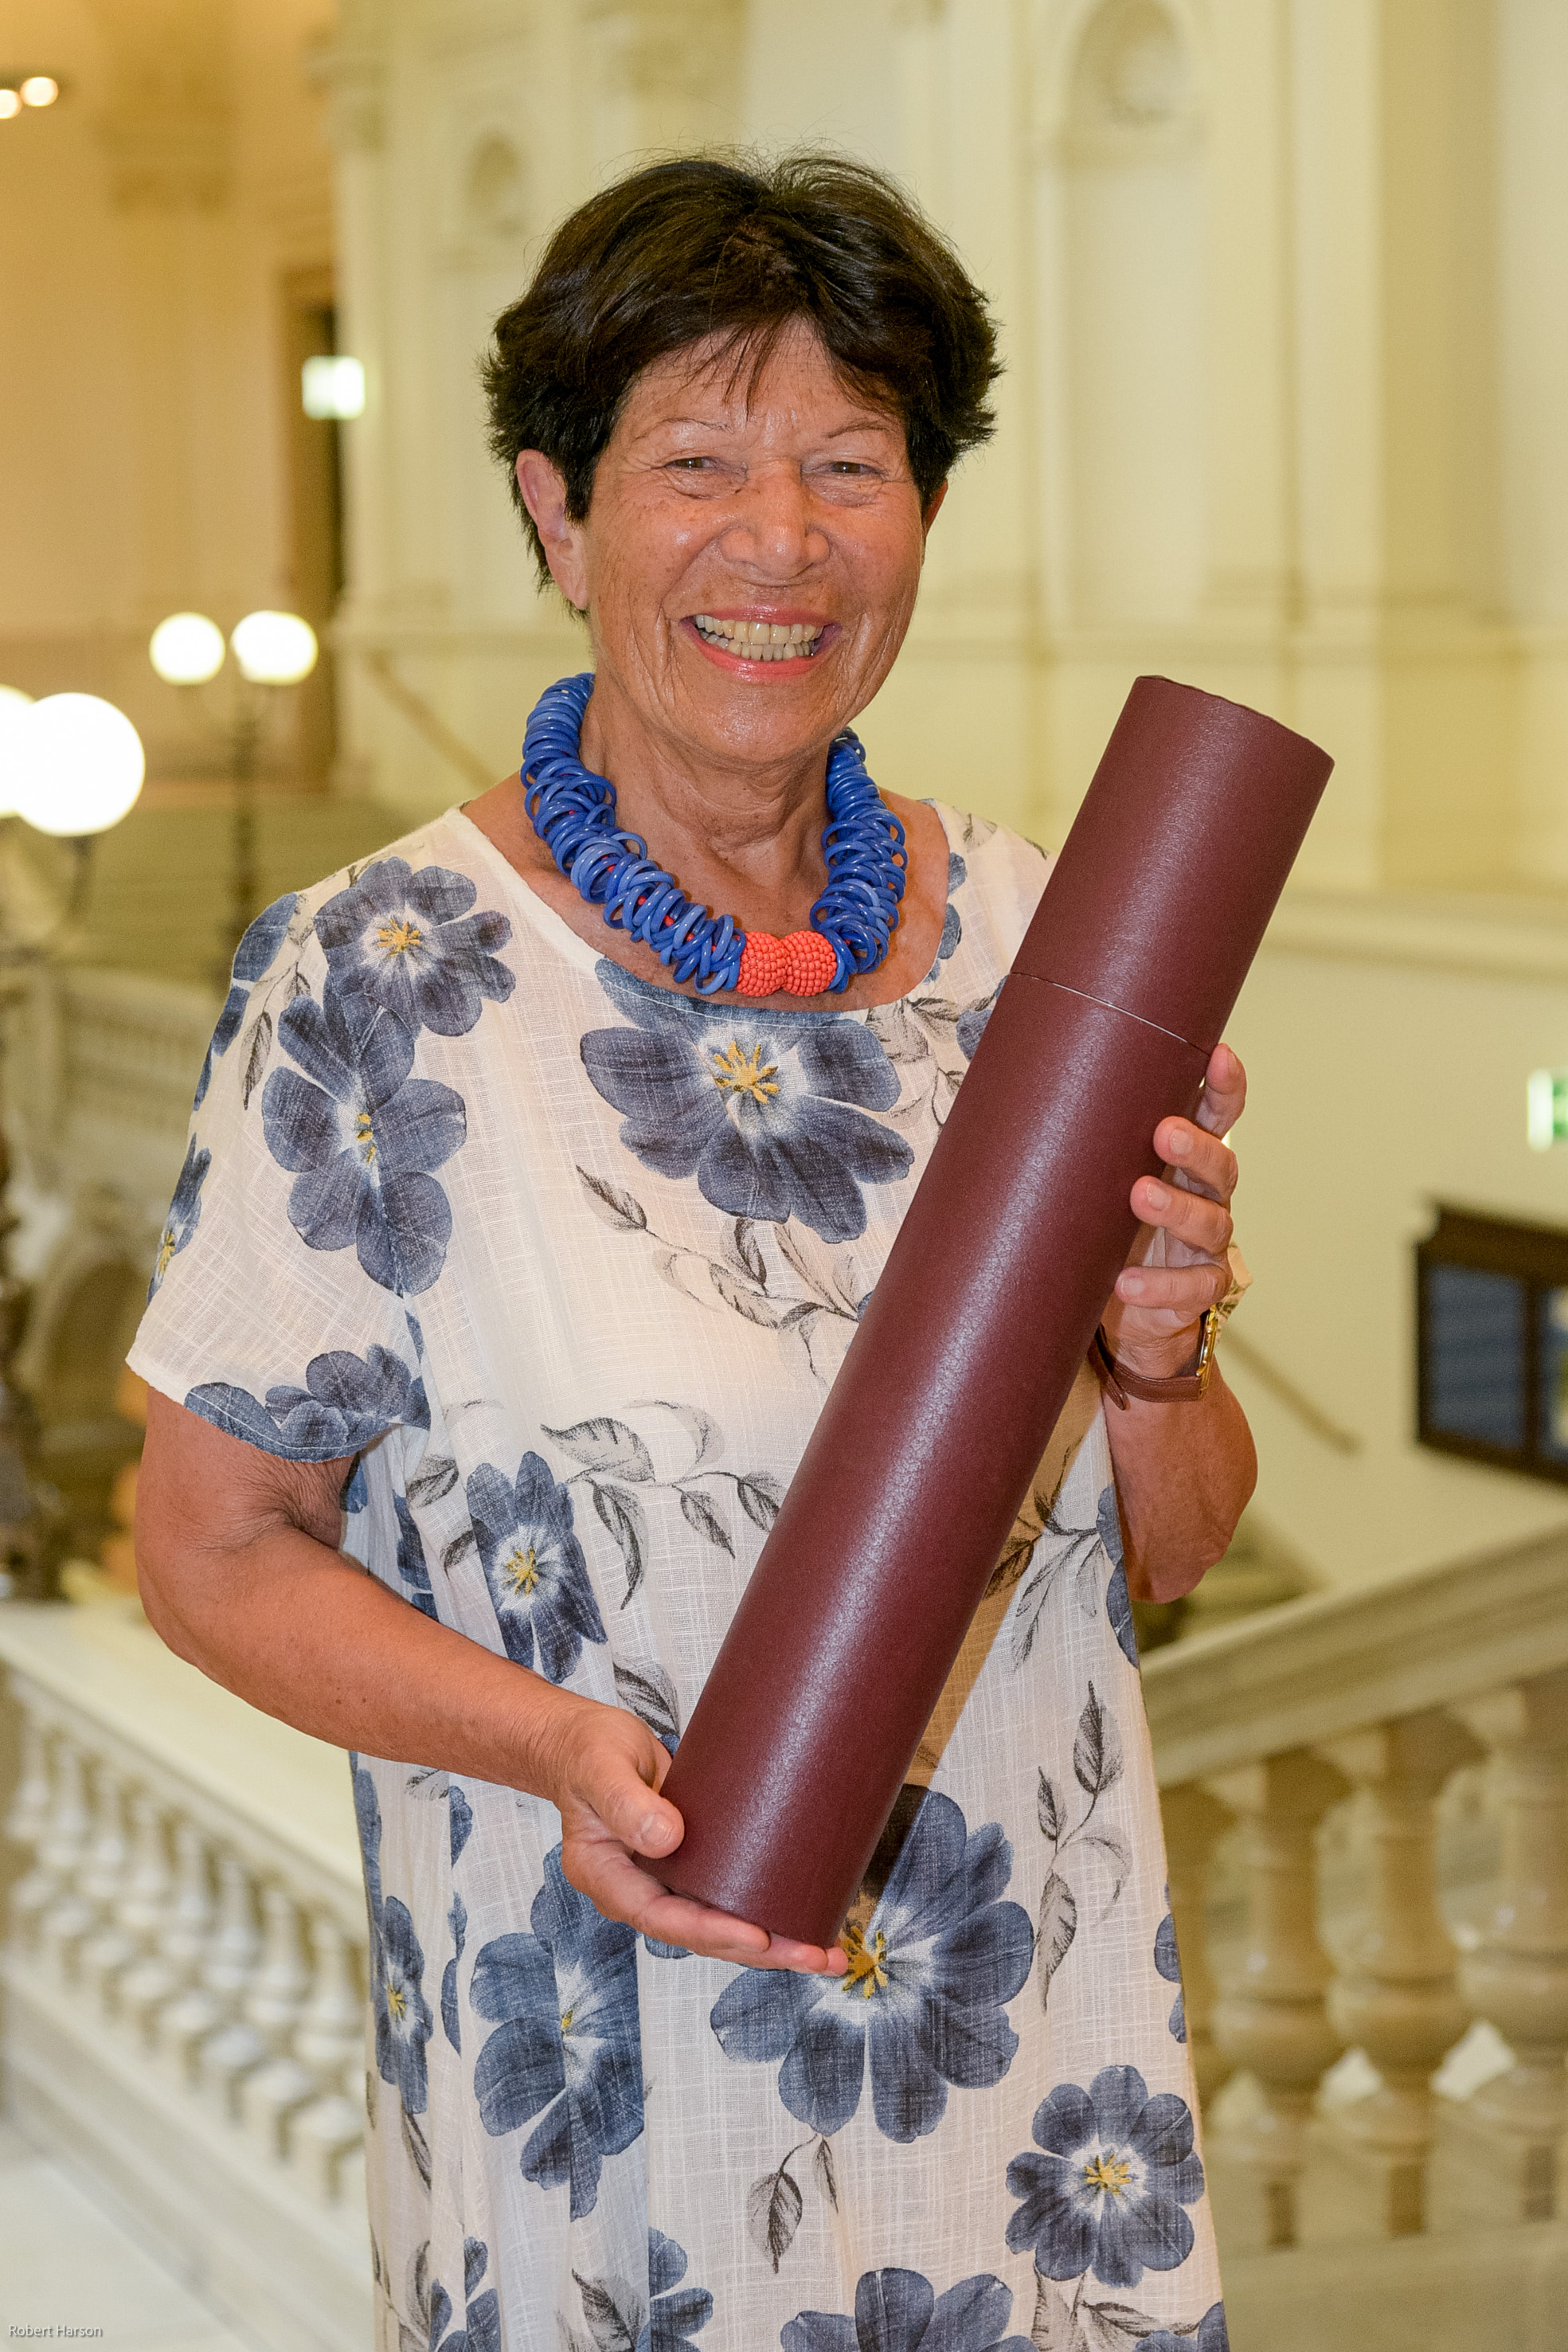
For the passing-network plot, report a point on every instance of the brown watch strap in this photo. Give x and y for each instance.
(1181, 1388)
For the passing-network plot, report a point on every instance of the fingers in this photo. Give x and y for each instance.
(1190, 1217)
(1224, 1092)
(621, 1889)
(1200, 1160)
(1185, 1291)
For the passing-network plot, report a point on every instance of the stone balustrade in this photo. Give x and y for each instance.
(184, 1969)
(1354, 1714)
(186, 1951)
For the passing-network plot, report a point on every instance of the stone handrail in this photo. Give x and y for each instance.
(185, 1964)
(1375, 1699)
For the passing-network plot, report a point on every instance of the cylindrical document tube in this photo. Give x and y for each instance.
(806, 1724)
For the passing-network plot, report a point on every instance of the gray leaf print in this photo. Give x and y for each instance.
(1057, 1927)
(773, 2208)
(605, 1444)
(700, 1513)
(1097, 1749)
(615, 1207)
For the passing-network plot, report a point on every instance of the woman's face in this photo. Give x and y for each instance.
(751, 553)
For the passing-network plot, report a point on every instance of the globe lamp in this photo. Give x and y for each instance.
(187, 649)
(274, 648)
(81, 767)
(14, 708)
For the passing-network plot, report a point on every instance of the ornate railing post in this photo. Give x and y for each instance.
(1397, 1994)
(1518, 1979)
(1270, 2017)
(1195, 1822)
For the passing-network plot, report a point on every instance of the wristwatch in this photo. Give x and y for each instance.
(1181, 1388)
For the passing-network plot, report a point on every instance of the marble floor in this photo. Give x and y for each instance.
(72, 2272)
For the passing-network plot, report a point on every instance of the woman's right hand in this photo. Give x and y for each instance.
(602, 1769)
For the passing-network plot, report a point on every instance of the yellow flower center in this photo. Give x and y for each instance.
(397, 939)
(744, 1073)
(363, 1135)
(397, 2003)
(865, 1970)
(566, 2020)
(166, 1246)
(1111, 2173)
(521, 1572)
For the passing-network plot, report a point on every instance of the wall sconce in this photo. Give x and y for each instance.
(76, 766)
(187, 649)
(22, 90)
(273, 648)
(333, 386)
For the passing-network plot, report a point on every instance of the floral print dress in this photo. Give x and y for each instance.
(568, 1263)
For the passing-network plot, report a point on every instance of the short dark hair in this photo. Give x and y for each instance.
(681, 252)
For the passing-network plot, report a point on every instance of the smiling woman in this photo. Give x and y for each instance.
(522, 1234)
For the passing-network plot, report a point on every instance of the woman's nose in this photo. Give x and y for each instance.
(772, 530)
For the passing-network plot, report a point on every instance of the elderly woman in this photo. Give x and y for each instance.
(529, 1210)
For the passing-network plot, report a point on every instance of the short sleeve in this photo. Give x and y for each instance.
(279, 1302)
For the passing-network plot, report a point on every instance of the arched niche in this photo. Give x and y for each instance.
(493, 197)
(1128, 152)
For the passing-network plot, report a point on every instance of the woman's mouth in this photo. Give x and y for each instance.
(765, 641)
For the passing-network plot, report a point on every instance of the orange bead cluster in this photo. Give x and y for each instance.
(804, 964)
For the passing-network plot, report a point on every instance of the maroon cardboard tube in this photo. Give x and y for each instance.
(809, 1721)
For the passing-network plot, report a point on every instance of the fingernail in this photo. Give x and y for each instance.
(1131, 1286)
(1181, 1144)
(1158, 1198)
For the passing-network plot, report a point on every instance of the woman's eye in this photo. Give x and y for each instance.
(689, 464)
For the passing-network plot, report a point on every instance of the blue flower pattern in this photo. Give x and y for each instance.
(401, 2014)
(413, 945)
(922, 2006)
(900, 2311)
(1168, 1962)
(566, 2048)
(481, 2329)
(1110, 2189)
(770, 1111)
(253, 959)
(677, 2313)
(534, 1566)
(347, 1402)
(362, 1137)
(184, 1213)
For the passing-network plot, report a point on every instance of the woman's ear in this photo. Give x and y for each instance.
(933, 508)
(543, 489)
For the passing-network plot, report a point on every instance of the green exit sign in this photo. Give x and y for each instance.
(1546, 1109)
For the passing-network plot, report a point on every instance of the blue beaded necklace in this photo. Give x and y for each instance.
(573, 812)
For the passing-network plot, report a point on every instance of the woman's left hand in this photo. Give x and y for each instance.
(1177, 1265)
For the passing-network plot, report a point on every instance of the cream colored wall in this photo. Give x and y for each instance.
(1388, 1043)
(146, 223)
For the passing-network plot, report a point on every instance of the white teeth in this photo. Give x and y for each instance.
(762, 640)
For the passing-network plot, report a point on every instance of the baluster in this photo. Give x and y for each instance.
(1270, 2016)
(1397, 1995)
(144, 1915)
(229, 2054)
(326, 2137)
(28, 1825)
(179, 2026)
(1518, 1977)
(65, 1917)
(108, 1951)
(1195, 1821)
(274, 2007)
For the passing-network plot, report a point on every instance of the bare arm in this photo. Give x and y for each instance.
(1184, 1472)
(241, 1575)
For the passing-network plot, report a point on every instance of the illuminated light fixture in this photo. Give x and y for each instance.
(14, 708)
(187, 649)
(1546, 1109)
(10, 104)
(39, 90)
(274, 648)
(333, 387)
(81, 765)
